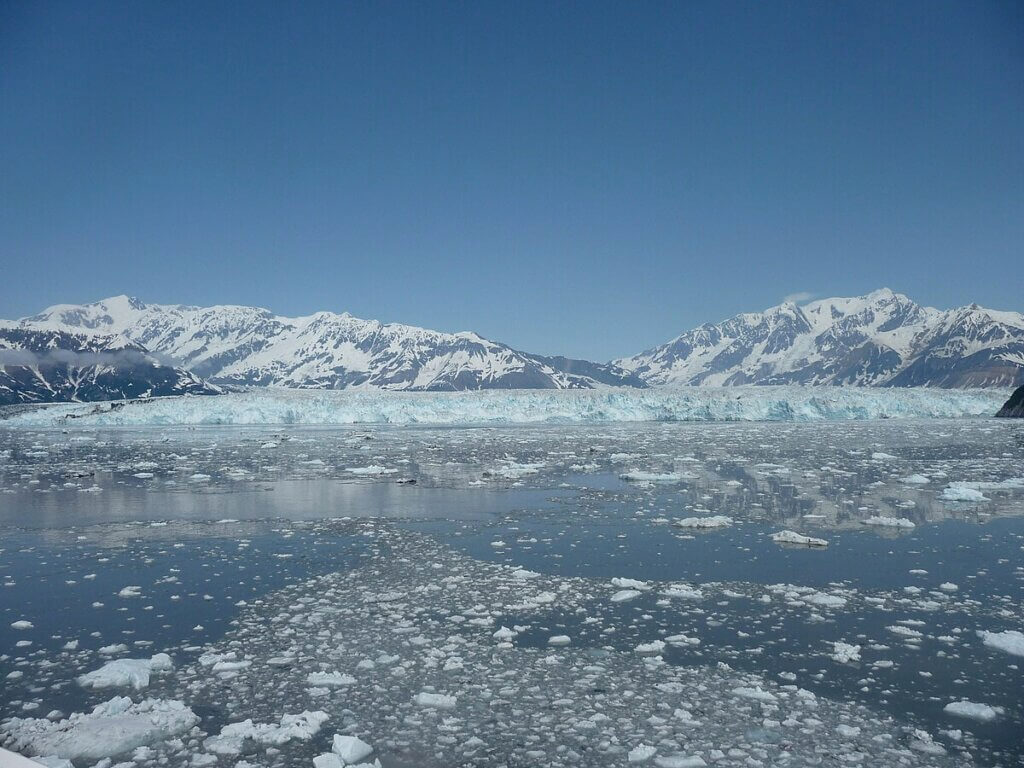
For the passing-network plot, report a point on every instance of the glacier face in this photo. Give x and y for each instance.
(248, 346)
(45, 366)
(882, 339)
(762, 403)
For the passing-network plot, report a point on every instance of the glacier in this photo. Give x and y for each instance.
(700, 404)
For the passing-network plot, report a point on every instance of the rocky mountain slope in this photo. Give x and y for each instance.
(248, 346)
(882, 339)
(1014, 407)
(48, 366)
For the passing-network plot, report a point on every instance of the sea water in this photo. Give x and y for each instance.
(542, 595)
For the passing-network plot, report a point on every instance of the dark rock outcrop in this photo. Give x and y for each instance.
(1014, 407)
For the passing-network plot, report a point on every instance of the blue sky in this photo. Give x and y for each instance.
(579, 178)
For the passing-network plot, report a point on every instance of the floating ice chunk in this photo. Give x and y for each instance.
(972, 710)
(122, 673)
(844, 652)
(962, 492)
(22, 624)
(514, 470)
(435, 700)
(231, 666)
(899, 629)
(209, 659)
(559, 640)
(714, 521)
(948, 586)
(350, 749)
(654, 647)
(915, 479)
(622, 583)
(329, 679)
(625, 594)
(824, 600)
(880, 456)
(847, 731)
(882, 521)
(756, 693)
(113, 728)
(798, 539)
(922, 741)
(679, 761)
(1011, 641)
(233, 737)
(641, 753)
(683, 592)
(680, 640)
(504, 634)
(132, 591)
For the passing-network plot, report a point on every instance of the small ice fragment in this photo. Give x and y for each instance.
(844, 652)
(435, 700)
(961, 492)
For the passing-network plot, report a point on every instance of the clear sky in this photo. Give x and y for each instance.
(581, 178)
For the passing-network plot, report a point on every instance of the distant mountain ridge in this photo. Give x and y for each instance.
(882, 339)
(248, 346)
(49, 366)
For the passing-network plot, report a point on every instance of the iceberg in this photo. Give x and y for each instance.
(665, 404)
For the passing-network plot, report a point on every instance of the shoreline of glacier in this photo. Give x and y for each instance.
(693, 404)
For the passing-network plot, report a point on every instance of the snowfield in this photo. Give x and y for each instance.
(281, 406)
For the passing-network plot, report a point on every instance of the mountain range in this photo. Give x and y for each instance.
(46, 366)
(881, 339)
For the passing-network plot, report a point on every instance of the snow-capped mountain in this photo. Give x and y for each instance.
(248, 346)
(882, 339)
(48, 366)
